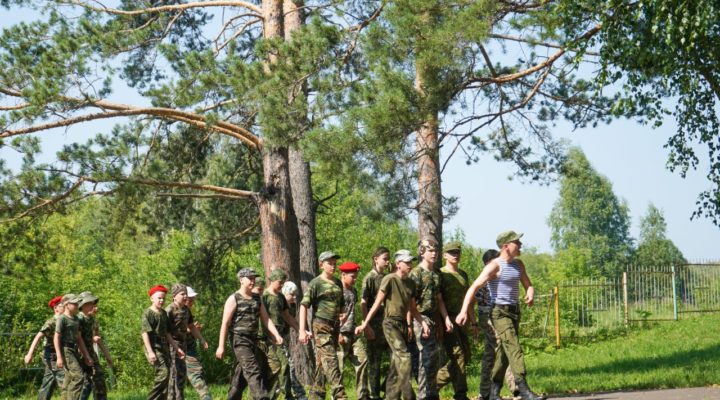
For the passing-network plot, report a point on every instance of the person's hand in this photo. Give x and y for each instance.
(152, 358)
(410, 333)
(204, 344)
(369, 333)
(530, 297)
(59, 364)
(96, 339)
(303, 337)
(27, 359)
(89, 362)
(341, 339)
(279, 340)
(181, 353)
(461, 318)
(219, 353)
(448, 324)
(425, 330)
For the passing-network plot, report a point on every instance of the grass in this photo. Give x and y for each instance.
(665, 355)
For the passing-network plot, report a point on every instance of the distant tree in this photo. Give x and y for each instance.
(589, 216)
(654, 248)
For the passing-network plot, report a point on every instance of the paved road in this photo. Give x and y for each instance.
(710, 393)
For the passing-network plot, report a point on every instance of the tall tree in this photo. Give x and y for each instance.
(588, 215)
(654, 248)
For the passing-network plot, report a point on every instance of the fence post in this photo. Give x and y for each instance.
(625, 296)
(675, 299)
(557, 317)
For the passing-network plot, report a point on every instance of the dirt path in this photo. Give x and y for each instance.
(709, 393)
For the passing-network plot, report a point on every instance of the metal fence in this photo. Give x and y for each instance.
(590, 307)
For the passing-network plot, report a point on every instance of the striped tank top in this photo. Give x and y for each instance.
(504, 290)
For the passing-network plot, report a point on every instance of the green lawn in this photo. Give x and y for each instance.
(668, 355)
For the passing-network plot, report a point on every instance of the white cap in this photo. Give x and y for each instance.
(191, 292)
(289, 287)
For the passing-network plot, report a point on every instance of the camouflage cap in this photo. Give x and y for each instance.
(277, 275)
(427, 244)
(259, 281)
(507, 237)
(87, 297)
(246, 273)
(71, 299)
(452, 246)
(404, 256)
(326, 255)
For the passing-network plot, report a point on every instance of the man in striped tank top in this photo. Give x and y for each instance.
(503, 276)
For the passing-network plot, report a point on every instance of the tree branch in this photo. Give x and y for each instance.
(173, 7)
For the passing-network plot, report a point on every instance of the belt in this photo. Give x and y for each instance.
(325, 321)
(508, 307)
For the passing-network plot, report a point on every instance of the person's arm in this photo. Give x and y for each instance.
(270, 325)
(152, 358)
(366, 320)
(198, 335)
(488, 273)
(529, 289)
(58, 350)
(443, 312)
(174, 344)
(228, 311)
(104, 350)
(289, 319)
(83, 349)
(33, 345)
(302, 324)
(418, 317)
(364, 308)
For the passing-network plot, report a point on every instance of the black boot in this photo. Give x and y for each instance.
(494, 391)
(525, 392)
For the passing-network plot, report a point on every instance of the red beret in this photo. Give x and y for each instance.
(157, 288)
(55, 301)
(349, 267)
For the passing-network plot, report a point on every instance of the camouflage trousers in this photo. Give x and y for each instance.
(94, 380)
(162, 374)
(298, 391)
(457, 350)
(250, 367)
(428, 361)
(509, 352)
(355, 350)
(178, 374)
(52, 376)
(327, 368)
(488, 356)
(398, 377)
(376, 350)
(195, 375)
(73, 380)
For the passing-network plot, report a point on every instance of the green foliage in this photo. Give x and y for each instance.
(589, 217)
(654, 248)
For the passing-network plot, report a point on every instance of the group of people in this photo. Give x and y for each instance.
(422, 316)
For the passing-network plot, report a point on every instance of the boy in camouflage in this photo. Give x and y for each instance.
(397, 294)
(90, 332)
(429, 303)
(67, 341)
(192, 360)
(325, 296)
(241, 314)
(352, 348)
(52, 376)
(373, 336)
(154, 325)
(178, 318)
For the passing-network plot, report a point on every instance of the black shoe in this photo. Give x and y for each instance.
(525, 392)
(494, 391)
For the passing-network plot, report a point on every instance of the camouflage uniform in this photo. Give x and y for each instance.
(427, 284)
(398, 293)
(377, 347)
(95, 375)
(155, 324)
(52, 376)
(484, 307)
(193, 365)
(248, 372)
(453, 286)
(326, 299)
(178, 318)
(354, 349)
(298, 391)
(275, 304)
(68, 328)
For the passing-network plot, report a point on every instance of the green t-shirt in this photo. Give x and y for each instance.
(89, 327)
(155, 324)
(178, 319)
(48, 330)
(427, 286)
(275, 304)
(398, 293)
(326, 298)
(370, 288)
(453, 286)
(67, 327)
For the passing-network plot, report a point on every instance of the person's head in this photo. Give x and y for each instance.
(277, 278)
(381, 259)
(289, 290)
(259, 285)
(247, 276)
(349, 273)
(489, 256)
(190, 299)
(328, 261)
(71, 302)
(179, 294)
(452, 252)
(509, 242)
(88, 303)
(403, 262)
(57, 305)
(157, 295)
(427, 249)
